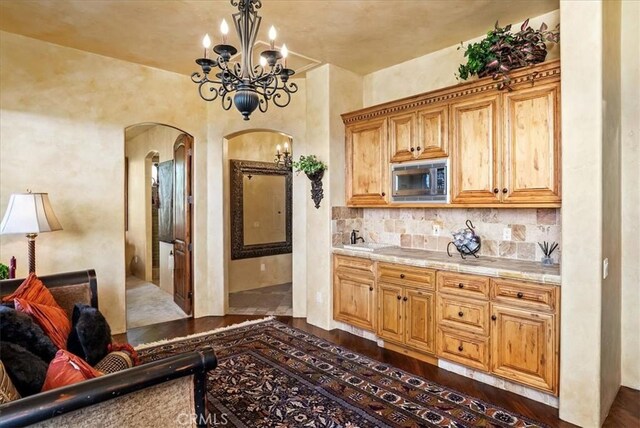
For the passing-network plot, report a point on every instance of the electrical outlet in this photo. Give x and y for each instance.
(436, 229)
(263, 267)
(605, 268)
(506, 234)
(318, 297)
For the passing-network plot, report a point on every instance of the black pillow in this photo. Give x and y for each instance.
(26, 370)
(19, 328)
(90, 335)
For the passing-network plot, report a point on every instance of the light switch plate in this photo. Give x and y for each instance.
(605, 268)
(506, 234)
(318, 297)
(263, 267)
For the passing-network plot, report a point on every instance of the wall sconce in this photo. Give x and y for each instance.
(283, 158)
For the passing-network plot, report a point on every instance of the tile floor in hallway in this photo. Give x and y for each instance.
(148, 304)
(273, 300)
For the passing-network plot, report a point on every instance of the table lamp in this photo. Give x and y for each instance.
(29, 214)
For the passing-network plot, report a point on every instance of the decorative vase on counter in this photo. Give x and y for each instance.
(547, 261)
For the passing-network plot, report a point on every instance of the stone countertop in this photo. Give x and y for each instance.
(488, 266)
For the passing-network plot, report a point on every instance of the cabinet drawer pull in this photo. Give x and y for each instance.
(460, 314)
(370, 288)
(405, 298)
(461, 285)
(401, 276)
(520, 295)
(399, 297)
(412, 149)
(460, 348)
(493, 317)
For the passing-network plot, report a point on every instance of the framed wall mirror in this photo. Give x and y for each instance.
(261, 195)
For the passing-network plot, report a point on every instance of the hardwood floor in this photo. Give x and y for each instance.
(625, 412)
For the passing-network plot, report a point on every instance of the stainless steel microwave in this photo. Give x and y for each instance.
(420, 182)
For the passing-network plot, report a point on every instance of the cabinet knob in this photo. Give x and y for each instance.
(493, 317)
(520, 295)
(370, 288)
(496, 190)
(461, 285)
(413, 150)
(460, 348)
(399, 297)
(404, 299)
(384, 194)
(401, 276)
(460, 314)
(505, 190)
(418, 148)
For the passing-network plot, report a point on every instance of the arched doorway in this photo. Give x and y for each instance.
(157, 189)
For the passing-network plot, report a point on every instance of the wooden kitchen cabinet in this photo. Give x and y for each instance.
(354, 294)
(406, 306)
(531, 145)
(475, 157)
(523, 346)
(367, 163)
(422, 134)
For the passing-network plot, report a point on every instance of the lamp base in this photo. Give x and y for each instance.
(32, 252)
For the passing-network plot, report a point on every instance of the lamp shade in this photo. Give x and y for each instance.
(29, 213)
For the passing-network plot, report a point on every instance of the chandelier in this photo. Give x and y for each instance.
(253, 87)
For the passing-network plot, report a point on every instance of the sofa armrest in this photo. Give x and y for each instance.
(43, 406)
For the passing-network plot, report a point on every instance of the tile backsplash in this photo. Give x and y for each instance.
(413, 228)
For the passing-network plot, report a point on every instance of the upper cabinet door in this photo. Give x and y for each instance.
(474, 154)
(433, 135)
(367, 173)
(532, 145)
(402, 137)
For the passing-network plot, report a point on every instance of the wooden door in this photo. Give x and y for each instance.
(475, 153)
(432, 132)
(182, 205)
(523, 346)
(420, 320)
(531, 148)
(367, 158)
(354, 298)
(402, 137)
(390, 312)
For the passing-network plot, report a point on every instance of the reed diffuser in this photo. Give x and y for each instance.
(547, 250)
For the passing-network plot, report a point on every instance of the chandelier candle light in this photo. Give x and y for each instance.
(253, 87)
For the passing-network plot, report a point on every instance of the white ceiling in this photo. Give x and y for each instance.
(359, 35)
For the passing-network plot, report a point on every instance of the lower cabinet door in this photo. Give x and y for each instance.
(523, 347)
(420, 320)
(354, 299)
(390, 312)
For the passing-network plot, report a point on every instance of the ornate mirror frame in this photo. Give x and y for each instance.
(240, 168)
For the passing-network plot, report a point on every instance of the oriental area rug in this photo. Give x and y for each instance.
(273, 375)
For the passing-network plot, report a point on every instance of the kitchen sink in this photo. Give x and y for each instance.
(366, 246)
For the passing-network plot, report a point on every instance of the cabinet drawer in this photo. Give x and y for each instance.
(524, 294)
(463, 285)
(463, 314)
(469, 350)
(353, 263)
(407, 275)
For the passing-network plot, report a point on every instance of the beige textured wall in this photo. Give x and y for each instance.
(611, 213)
(157, 139)
(331, 92)
(62, 131)
(434, 71)
(247, 274)
(630, 82)
(222, 124)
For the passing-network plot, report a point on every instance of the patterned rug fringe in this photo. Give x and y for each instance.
(206, 333)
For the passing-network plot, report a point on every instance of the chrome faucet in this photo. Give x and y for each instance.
(355, 238)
